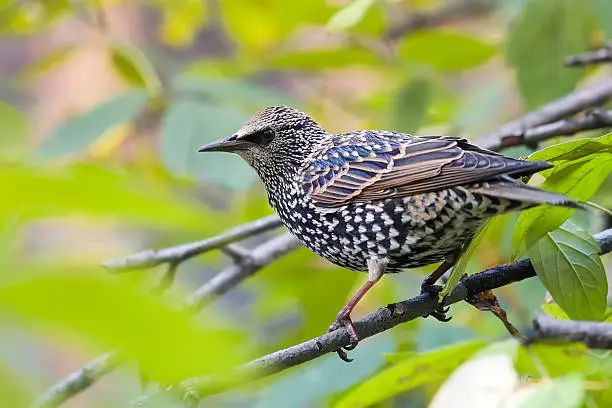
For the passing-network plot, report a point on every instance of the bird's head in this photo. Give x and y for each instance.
(275, 141)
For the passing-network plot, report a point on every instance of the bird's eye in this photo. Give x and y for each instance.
(261, 138)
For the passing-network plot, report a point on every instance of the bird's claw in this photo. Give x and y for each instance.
(440, 312)
(347, 323)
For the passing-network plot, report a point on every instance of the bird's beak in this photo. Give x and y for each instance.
(229, 144)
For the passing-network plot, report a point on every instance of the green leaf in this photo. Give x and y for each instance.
(135, 68)
(574, 150)
(79, 132)
(45, 64)
(100, 192)
(322, 59)
(554, 310)
(462, 263)
(230, 92)
(556, 359)
(568, 264)
(603, 11)
(167, 343)
(562, 392)
(14, 131)
(350, 15)
(187, 126)
(417, 370)
(410, 105)
(447, 51)
(269, 22)
(579, 179)
(543, 35)
(15, 391)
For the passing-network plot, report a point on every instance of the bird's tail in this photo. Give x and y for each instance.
(524, 194)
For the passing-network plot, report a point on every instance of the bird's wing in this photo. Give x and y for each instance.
(370, 167)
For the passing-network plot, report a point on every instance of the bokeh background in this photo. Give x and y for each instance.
(103, 105)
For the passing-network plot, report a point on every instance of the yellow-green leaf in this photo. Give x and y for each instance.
(98, 192)
(462, 263)
(444, 50)
(321, 59)
(43, 65)
(134, 66)
(417, 370)
(167, 343)
(574, 150)
(181, 21)
(14, 131)
(554, 310)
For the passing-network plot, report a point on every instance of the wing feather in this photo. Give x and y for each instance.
(364, 166)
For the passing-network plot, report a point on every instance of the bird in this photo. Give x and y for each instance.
(379, 201)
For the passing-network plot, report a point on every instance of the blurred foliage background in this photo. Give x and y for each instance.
(103, 105)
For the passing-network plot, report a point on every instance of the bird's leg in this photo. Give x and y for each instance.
(429, 286)
(376, 269)
(429, 283)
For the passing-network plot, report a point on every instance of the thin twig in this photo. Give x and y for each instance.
(602, 55)
(78, 380)
(259, 257)
(596, 119)
(564, 107)
(597, 335)
(182, 252)
(375, 323)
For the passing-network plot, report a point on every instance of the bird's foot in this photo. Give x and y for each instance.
(346, 322)
(440, 312)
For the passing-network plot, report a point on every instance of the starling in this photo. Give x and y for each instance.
(377, 201)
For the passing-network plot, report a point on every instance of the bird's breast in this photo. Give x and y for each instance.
(411, 231)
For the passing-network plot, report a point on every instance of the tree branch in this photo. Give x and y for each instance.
(597, 335)
(79, 380)
(599, 56)
(384, 319)
(259, 257)
(595, 119)
(179, 253)
(564, 107)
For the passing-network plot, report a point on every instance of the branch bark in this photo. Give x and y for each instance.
(597, 335)
(596, 119)
(79, 380)
(179, 253)
(256, 259)
(564, 107)
(602, 55)
(192, 390)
